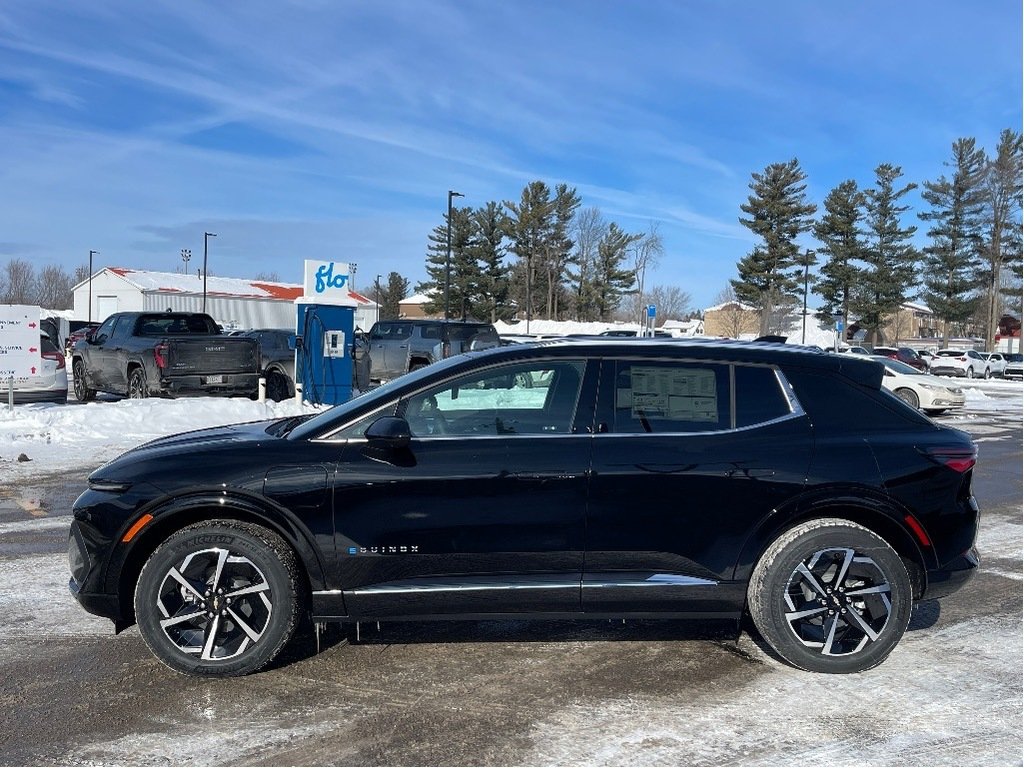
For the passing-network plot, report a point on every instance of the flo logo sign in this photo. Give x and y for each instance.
(19, 340)
(327, 282)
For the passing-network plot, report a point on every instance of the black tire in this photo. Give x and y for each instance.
(417, 366)
(277, 387)
(853, 574)
(909, 397)
(78, 379)
(138, 387)
(936, 411)
(970, 373)
(238, 599)
(988, 373)
(524, 380)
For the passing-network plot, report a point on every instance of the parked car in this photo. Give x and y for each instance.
(927, 355)
(400, 346)
(960, 362)
(855, 351)
(48, 385)
(1014, 366)
(996, 362)
(79, 332)
(139, 354)
(920, 390)
(905, 355)
(632, 480)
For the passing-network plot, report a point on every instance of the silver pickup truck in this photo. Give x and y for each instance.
(400, 346)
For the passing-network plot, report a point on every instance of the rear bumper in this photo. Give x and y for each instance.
(953, 575)
(36, 396)
(229, 384)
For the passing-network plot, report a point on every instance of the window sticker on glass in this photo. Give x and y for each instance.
(686, 394)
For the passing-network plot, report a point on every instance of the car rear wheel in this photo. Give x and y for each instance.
(137, 386)
(219, 599)
(82, 391)
(277, 387)
(830, 596)
(909, 397)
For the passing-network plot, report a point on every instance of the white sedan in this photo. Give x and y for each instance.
(918, 389)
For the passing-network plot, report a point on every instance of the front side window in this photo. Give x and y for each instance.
(535, 398)
(104, 331)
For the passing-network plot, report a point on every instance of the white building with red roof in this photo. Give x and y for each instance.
(236, 303)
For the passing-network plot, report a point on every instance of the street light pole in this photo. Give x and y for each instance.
(206, 240)
(376, 296)
(807, 269)
(91, 254)
(448, 255)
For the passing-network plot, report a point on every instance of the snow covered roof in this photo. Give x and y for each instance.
(417, 298)
(177, 282)
(740, 304)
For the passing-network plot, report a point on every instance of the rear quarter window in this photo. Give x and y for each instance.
(836, 404)
(759, 396)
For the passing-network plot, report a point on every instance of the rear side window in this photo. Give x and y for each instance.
(430, 331)
(759, 396)
(472, 332)
(835, 403)
(657, 397)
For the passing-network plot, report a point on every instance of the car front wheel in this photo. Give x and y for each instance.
(830, 596)
(909, 397)
(82, 391)
(219, 599)
(988, 373)
(970, 373)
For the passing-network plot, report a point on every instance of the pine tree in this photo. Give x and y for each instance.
(778, 212)
(891, 260)
(610, 278)
(1002, 248)
(390, 295)
(489, 250)
(953, 258)
(839, 232)
(463, 274)
(530, 225)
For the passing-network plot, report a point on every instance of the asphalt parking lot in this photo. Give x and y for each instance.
(517, 692)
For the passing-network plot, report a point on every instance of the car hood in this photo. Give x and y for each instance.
(194, 451)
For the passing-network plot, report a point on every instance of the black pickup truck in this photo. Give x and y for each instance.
(139, 354)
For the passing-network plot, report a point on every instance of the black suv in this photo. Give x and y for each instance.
(630, 479)
(400, 346)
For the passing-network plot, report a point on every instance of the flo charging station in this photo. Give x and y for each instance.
(324, 322)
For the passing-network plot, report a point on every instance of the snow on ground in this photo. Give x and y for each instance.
(59, 437)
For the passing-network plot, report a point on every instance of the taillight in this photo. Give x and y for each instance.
(962, 359)
(160, 355)
(446, 349)
(57, 356)
(959, 458)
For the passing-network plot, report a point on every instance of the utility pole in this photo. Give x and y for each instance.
(808, 257)
(91, 254)
(377, 296)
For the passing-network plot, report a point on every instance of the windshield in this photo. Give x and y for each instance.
(338, 415)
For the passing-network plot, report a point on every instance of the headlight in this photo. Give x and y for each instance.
(933, 387)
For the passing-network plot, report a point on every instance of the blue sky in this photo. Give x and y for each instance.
(333, 130)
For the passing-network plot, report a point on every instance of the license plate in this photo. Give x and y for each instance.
(219, 379)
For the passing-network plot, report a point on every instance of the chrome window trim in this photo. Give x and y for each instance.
(412, 588)
(657, 580)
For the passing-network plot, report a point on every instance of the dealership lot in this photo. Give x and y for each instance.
(516, 692)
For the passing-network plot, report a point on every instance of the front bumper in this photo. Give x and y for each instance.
(86, 579)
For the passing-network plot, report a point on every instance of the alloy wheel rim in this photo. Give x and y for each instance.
(79, 380)
(838, 601)
(214, 605)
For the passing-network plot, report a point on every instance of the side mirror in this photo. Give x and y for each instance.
(389, 432)
(294, 342)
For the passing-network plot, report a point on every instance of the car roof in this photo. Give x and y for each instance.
(858, 368)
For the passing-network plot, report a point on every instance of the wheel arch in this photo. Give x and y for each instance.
(175, 514)
(877, 515)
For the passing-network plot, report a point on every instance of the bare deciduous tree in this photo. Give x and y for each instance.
(20, 282)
